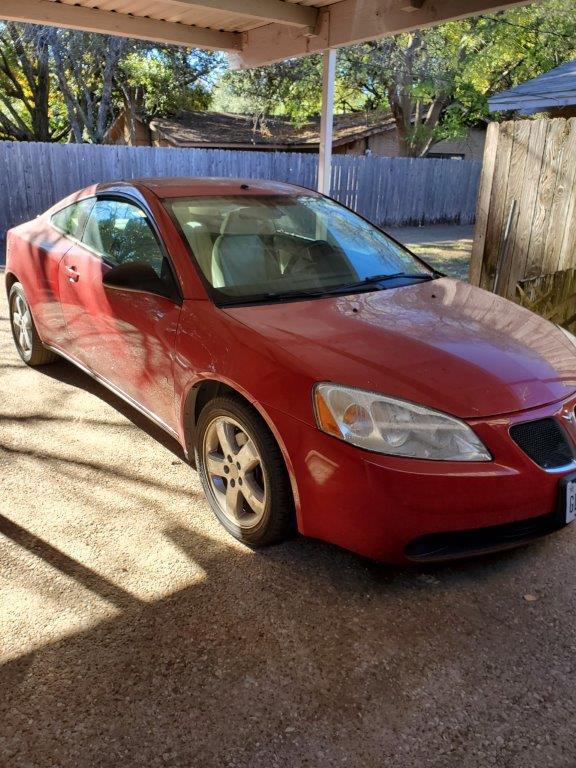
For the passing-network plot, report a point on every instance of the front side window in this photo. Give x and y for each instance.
(71, 220)
(273, 247)
(120, 232)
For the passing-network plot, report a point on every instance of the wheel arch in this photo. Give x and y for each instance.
(9, 279)
(206, 389)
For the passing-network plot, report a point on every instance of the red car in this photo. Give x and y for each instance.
(320, 376)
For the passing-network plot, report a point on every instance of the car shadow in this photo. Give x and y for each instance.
(68, 373)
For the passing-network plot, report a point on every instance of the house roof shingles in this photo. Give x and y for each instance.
(553, 89)
(223, 129)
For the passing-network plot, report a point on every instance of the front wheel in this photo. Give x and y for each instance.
(243, 473)
(28, 343)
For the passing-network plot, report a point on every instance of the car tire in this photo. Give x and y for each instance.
(243, 473)
(24, 332)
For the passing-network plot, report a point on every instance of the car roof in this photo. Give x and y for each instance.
(177, 186)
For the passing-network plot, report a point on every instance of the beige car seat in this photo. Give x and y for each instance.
(243, 253)
(200, 242)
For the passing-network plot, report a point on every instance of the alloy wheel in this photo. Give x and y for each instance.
(236, 478)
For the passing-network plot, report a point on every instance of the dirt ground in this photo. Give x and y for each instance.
(135, 633)
(446, 247)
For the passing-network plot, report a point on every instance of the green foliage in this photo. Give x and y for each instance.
(292, 87)
(58, 83)
(514, 47)
(171, 80)
(436, 81)
(31, 109)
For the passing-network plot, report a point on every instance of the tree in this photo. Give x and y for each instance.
(519, 44)
(29, 107)
(98, 74)
(85, 67)
(414, 75)
(58, 82)
(292, 87)
(165, 81)
(435, 81)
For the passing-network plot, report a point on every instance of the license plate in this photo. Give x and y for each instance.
(570, 509)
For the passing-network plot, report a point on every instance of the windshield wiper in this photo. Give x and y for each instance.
(372, 282)
(264, 298)
(373, 279)
(367, 284)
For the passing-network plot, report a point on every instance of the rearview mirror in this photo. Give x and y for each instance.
(137, 276)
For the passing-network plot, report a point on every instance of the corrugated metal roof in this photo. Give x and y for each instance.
(198, 16)
(556, 88)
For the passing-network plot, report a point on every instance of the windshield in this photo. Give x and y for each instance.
(274, 247)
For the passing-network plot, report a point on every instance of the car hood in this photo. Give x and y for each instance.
(444, 344)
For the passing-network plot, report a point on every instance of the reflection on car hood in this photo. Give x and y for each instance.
(444, 344)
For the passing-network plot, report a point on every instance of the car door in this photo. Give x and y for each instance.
(48, 239)
(125, 336)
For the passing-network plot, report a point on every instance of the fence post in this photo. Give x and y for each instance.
(483, 206)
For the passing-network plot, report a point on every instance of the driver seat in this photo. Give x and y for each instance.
(242, 253)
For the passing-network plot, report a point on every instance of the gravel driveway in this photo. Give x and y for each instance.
(135, 633)
(446, 247)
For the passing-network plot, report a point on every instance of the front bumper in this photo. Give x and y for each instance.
(391, 508)
(455, 545)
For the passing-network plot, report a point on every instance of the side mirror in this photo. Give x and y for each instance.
(137, 276)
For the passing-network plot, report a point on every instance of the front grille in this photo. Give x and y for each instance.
(544, 441)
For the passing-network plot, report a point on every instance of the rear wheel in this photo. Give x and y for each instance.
(243, 473)
(26, 338)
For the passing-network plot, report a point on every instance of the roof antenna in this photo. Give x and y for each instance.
(244, 186)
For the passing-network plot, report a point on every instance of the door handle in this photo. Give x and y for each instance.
(72, 274)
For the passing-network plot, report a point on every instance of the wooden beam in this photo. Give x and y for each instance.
(57, 14)
(355, 21)
(263, 10)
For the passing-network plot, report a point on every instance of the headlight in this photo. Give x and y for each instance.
(386, 425)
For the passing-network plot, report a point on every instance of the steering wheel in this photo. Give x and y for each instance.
(309, 256)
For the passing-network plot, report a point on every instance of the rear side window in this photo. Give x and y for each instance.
(71, 220)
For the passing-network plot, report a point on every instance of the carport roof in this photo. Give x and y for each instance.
(253, 32)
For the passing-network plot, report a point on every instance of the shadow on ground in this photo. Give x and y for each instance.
(65, 372)
(299, 655)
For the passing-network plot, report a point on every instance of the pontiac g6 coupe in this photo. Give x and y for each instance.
(321, 377)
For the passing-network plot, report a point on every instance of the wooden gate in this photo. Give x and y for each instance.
(525, 240)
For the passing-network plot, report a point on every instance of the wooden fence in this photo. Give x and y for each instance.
(553, 296)
(390, 191)
(525, 240)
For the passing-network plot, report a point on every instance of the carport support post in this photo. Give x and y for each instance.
(326, 121)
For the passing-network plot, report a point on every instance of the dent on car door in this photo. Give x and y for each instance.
(124, 335)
